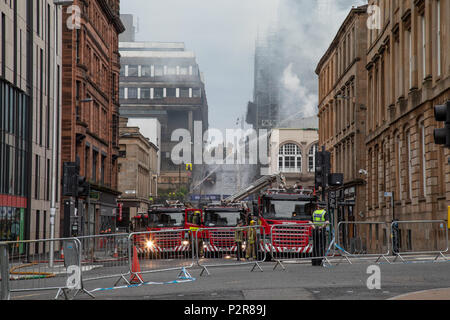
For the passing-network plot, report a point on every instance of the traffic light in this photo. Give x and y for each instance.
(82, 186)
(442, 114)
(189, 167)
(318, 180)
(323, 168)
(70, 172)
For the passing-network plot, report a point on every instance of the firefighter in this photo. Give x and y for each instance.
(251, 241)
(196, 219)
(319, 235)
(239, 238)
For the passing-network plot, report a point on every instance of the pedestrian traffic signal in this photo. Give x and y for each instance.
(442, 114)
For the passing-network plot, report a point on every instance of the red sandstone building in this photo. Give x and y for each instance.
(90, 103)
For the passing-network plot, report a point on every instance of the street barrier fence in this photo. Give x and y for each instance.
(363, 239)
(229, 246)
(157, 251)
(419, 237)
(297, 242)
(25, 266)
(105, 255)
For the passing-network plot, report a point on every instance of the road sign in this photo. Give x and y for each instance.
(388, 194)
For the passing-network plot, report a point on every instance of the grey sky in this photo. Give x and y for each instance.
(222, 33)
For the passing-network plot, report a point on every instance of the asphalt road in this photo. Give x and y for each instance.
(297, 282)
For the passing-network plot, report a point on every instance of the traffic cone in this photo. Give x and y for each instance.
(135, 269)
(116, 254)
(62, 253)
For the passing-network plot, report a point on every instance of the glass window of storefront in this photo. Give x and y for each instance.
(11, 223)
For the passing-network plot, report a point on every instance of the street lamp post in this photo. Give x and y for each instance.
(56, 3)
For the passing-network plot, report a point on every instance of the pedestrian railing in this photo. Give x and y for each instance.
(299, 242)
(158, 251)
(105, 256)
(222, 247)
(419, 237)
(26, 267)
(363, 239)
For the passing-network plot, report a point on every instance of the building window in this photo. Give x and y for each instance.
(312, 158)
(184, 71)
(159, 71)
(145, 93)
(159, 93)
(290, 158)
(423, 158)
(132, 93)
(424, 49)
(133, 70)
(184, 92)
(171, 92)
(439, 54)
(94, 165)
(399, 167)
(171, 71)
(146, 71)
(196, 93)
(409, 175)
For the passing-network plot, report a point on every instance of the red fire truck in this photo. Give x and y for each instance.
(218, 238)
(278, 207)
(164, 221)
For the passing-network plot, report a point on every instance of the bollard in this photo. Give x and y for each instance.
(4, 265)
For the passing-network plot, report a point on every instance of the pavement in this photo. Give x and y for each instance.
(435, 294)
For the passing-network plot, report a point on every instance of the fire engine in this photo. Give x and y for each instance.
(217, 239)
(281, 206)
(164, 221)
(278, 207)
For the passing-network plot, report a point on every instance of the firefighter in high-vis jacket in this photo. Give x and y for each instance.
(319, 234)
(251, 241)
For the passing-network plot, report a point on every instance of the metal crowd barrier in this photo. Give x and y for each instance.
(105, 256)
(297, 242)
(158, 251)
(361, 239)
(419, 237)
(217, 247)
(25, 267)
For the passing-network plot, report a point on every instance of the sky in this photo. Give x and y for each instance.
(223, 33)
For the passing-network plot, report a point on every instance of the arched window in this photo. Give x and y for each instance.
(312, 158)
(290, 158)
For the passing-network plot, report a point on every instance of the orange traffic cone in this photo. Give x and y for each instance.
(135, 269)
(116, 254)
(62, 254)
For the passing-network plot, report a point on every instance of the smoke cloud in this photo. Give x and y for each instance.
(304, 31)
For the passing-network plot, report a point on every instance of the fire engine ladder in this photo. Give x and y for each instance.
(256, 187)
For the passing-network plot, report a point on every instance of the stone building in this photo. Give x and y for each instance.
(30, 73)
(406, 74)
(90, 99)
(138, 172)
(292, 152)
(408, 70)
(342, 110)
